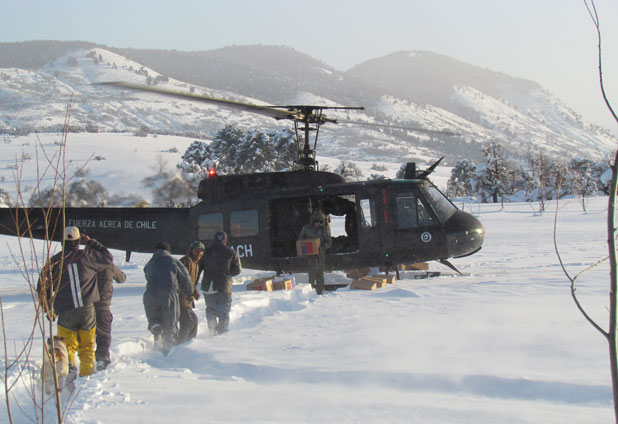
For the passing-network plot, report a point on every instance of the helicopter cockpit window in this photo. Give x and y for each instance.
(411, 212)
(442, 206)
(422, 214)
(406, 211)
(244, 223)
(368, 213)
(208, 224)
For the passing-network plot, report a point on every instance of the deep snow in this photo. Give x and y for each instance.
(503, 343)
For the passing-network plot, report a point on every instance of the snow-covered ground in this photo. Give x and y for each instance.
(503, 343)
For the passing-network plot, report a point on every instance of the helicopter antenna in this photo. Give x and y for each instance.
(429, 170)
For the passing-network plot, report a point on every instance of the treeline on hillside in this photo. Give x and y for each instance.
(35, 54)
(536, 178)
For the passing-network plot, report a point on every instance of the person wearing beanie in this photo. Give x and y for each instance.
(221, 263)
(188, 321)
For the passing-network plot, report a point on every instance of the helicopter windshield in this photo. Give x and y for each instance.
(441, 205)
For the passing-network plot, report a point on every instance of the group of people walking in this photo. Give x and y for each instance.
(171, 290)
(76, 285)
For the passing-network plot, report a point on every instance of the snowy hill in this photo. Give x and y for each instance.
(39, 99)
(517, 112)
(480, 105)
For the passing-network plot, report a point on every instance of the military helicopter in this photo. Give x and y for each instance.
(387, 222)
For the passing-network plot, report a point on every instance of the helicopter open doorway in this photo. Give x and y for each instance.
(288, 216)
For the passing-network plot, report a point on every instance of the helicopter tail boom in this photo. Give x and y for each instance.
(116, 228)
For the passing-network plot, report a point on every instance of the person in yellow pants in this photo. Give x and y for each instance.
(80, 340)
(68, 288)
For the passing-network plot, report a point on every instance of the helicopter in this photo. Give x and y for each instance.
(387, 222)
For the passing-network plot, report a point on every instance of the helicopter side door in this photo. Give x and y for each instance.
(368, 227)
(416, 233)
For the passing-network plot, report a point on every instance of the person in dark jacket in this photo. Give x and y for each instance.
(221, 263)
(166, 276)
(188, 320)
(105, 282)
(67, 288)
(317, 228)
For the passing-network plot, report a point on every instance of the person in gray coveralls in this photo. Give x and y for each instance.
(166, 276)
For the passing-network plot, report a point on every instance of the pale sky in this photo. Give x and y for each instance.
(552, 42)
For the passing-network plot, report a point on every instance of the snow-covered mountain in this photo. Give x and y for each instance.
(415, 89)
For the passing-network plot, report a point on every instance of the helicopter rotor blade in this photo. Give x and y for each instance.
(270, 111)
(297, 113)
(399, 127)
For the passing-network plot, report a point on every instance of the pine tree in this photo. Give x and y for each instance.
(195, 158)
(581, 180)
(233, 151)
(349, 170)
(463, 179)
(492, 174)
(602, 173)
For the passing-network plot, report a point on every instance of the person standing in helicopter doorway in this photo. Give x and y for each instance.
(221, 263)
(317, 228)
(188, 320)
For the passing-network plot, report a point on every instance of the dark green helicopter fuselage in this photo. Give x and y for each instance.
(377, 223)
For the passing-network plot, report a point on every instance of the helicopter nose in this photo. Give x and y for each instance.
(465, 235)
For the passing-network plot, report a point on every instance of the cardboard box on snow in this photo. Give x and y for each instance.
(263, 284)
(271, 283)
(282, 283)
(372, 283)
(420, 266)
(380, 280)
(363, 284)
(307, 247)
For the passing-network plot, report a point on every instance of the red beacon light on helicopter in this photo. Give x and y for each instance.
(212, 173)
